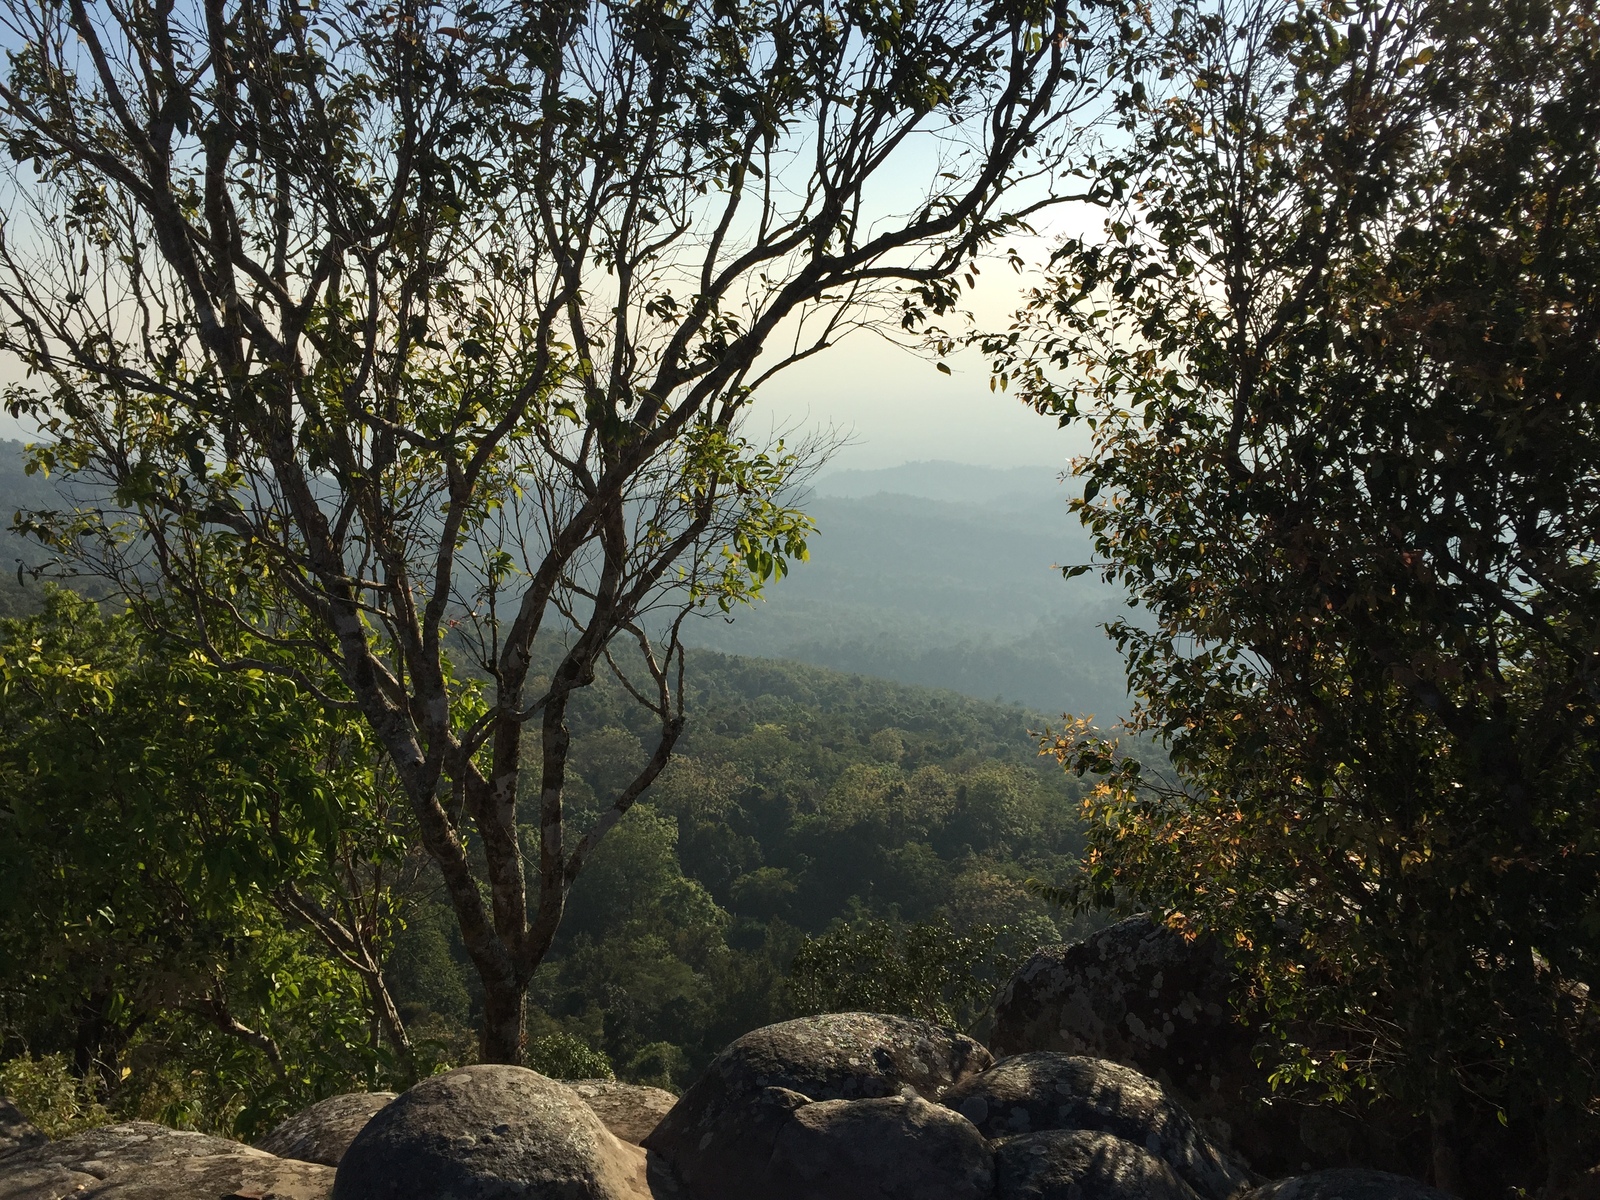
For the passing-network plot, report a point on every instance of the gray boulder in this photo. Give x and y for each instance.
(1028, 1093)
(323, 1132)
(719, 1138)
(1140, 994)
(1136, 993)
(891, 1148)
(141, 1161)
(1346, 1183)
(630, 1110)
(1081, 1164)
(17, 1133)
(489, 1133)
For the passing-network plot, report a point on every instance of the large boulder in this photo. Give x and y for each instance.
(1140, 994)
(140, 1161)
(889, 1148)
(1028, 1093)
(719, 1138)
(1082, 1164)
(1143, 995)
(1136, 993)
(1350, 1183)
(630, 1110)
(323, 1132)
(489, 1133)
(17, 1133)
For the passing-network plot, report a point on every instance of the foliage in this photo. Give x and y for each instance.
(563, 1056)
(162, 828)
(1336, 347)
(374, 325)
(47, 1092)
(926, 970)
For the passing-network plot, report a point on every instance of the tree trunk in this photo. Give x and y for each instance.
(1446, 1160)
(503, 1005)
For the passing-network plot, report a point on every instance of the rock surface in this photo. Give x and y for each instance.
(489, 1133)
(1078, 1164)
(17, 1133)
(323, 1132)
(719, 1138)
(890, 1148)
(1349, 1183)
(1028, 1093)
(140, 1161)
(1136, 993)
(630, 1110)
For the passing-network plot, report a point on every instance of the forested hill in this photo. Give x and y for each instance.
(944, 574)
(802, 797)
(19, 491)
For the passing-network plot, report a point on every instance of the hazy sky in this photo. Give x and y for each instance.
(891, 403)
(897, 408)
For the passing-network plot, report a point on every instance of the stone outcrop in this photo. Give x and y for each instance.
(720, 1137)
(490, 1133)
(140, 1161)
(1346, 1184)
(1140, 994)
(323, 1132)
(1081, 1164)
(1029, 1093)
(630, 1110)
(17, 1133)
(889, 1148)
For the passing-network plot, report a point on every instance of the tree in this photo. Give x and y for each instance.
(396, 327)
(1337, 347)
(186, 850)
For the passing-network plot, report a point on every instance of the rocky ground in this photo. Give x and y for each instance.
(849, 1106)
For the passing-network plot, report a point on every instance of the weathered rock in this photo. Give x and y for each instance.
(891, 1148)
(1142, 995)
(1347, 1183)
(1136, 993)
(323, 1132)
(718, 1139)
(1028, 1093)
(630, 1110)
(140, 1161)
(489, 1133)
(17, 1133)
(1081, 1164)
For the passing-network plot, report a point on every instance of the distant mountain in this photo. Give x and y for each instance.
(944, 574)
(932, 573)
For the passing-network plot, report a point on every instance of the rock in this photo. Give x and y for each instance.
(489, 1133)
(1140, 994)
(140, 1161)
(323, 1132)
(17, 1133)
(890, 1148)
(719, 1138)
(1346, 1183)
(1136, 993)
(1082, 1164)
(1028, 1093)
(630, 1110)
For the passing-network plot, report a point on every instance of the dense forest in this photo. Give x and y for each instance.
(802, 802)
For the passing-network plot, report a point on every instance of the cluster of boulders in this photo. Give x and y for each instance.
(1113, 1086)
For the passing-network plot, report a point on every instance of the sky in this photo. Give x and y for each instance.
(895, 407)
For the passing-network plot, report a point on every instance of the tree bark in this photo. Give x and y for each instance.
(503, 1030)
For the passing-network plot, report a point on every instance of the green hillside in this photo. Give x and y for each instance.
(944, 574)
